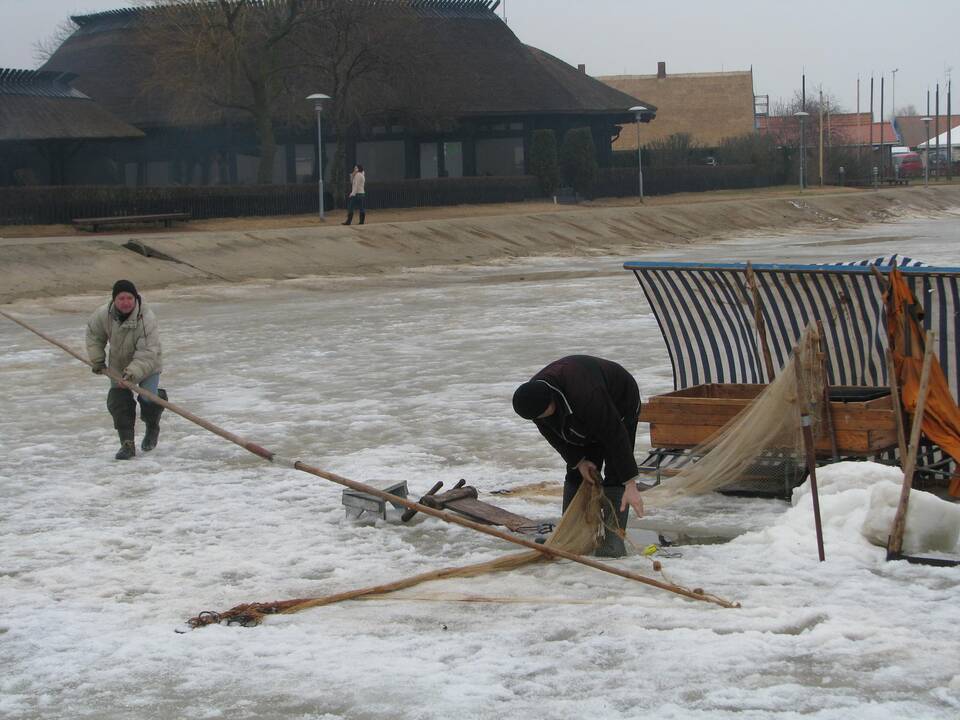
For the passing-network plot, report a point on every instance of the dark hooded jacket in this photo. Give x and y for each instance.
(597, 404)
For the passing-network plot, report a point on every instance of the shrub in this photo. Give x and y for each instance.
(578, 160)
(543, 160)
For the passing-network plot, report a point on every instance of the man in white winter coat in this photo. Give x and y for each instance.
(131, 331)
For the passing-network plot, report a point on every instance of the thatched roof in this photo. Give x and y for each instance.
(477, 67)
(707, 106)
(38, 105)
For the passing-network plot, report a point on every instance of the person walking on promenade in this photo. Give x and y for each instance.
(129, 327)
(358, 194)
(587, 408)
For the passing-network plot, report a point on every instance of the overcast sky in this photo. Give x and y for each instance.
(833, 40)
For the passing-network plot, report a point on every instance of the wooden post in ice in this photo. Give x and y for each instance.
(808, 446)
(895, 543)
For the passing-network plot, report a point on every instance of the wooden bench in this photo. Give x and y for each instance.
(166, 218)
(896, 181)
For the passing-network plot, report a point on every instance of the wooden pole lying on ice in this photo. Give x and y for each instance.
(895, 542)
(262, 452)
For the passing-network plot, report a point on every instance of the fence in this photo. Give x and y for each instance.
(624, 181)
(46, 205)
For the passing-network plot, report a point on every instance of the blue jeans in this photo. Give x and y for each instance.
(151, 383)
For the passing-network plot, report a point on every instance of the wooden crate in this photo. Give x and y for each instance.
(686, 418)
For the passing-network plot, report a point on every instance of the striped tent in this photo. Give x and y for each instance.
(706, 314)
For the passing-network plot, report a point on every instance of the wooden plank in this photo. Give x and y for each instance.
(853, 442)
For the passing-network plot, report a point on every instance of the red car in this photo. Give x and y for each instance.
(908, 165)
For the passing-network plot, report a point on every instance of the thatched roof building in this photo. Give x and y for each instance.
(473, 96)
(481, 68)
(36, 106)
(707, 106)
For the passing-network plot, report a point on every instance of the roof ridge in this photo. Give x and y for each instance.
(38, 83)
(654, 76)
(460, 8)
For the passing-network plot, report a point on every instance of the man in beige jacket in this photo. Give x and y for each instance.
(131, 331)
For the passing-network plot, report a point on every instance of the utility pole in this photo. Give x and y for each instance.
(893, 96)
(949, 129)
(936, 129)
(859, 136)
(871, 121)
(821, 137)
(882, 128)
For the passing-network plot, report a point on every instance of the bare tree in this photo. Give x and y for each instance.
(227, 55)
(44, 49)
(260, 58)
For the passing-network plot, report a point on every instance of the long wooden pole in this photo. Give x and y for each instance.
(269, 456)
(895, 542)
(809, 450)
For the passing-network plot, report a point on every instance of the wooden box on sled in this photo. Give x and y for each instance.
(863, 417)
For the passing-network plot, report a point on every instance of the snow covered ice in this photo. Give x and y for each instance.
(409, 377)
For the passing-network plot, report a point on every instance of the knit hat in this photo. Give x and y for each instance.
(532, 399)
(124, 286)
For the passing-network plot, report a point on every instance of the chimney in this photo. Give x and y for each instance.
(582, 68)
(661, 70)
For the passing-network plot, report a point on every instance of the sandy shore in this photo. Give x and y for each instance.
(42, 262)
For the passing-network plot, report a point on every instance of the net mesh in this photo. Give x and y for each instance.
(768, 428)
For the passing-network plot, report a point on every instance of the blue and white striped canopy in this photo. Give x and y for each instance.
(706, 315)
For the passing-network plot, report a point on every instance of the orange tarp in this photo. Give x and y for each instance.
(941, 417)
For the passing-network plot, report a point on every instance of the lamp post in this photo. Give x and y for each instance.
(926, 153)
(317, 99)
(803, 149)
(638, 112)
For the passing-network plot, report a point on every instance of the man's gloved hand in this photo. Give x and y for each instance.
(98, 367)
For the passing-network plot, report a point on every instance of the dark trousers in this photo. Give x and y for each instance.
(613, 488)
(594, 453)
(357, 202)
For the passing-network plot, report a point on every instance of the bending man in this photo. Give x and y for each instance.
(587, 407)
(134, 338)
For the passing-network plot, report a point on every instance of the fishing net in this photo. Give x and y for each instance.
(769, 428)
(579, 531)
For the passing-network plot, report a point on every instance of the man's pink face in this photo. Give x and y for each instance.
(125, 302)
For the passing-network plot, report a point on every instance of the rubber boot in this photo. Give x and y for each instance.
(614, 520)
(150, 414)
(349, 218)
(363, 216)
(122, 407)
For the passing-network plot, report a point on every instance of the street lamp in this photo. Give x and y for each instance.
(926, 153)
(803, 149)
(318, 99)
(639, 111)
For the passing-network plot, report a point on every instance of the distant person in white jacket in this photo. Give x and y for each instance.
(358, 195)
(128, 326)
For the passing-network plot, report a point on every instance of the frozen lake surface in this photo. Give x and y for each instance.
(409, 377)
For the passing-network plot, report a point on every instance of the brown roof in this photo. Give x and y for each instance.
(842, 128)
(43, 106)
(913, 132)
(477, 67)
(707, 106)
